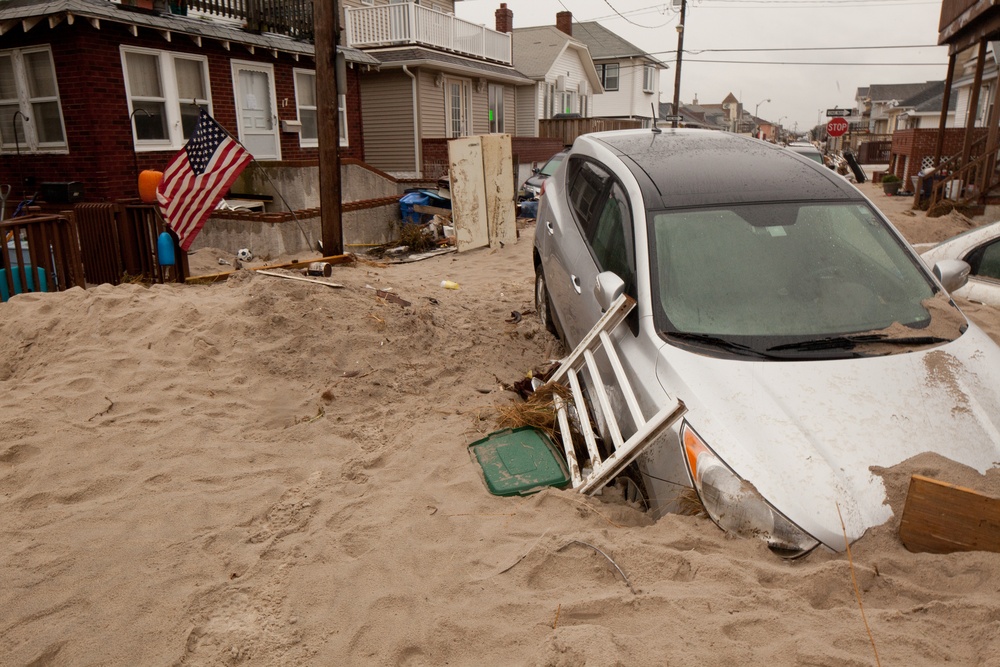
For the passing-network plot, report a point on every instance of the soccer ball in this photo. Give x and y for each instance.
(244, 255)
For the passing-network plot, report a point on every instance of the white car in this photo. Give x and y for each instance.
(980, 248)
(806, 338)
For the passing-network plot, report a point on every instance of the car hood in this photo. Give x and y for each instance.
(806, 433)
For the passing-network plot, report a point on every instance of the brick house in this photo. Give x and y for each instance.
(92, 91)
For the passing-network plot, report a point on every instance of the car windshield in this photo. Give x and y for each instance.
(551, 166)
(778, 275)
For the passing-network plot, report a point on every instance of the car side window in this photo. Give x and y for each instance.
(586, 183)
(985, 261)
(611, 238)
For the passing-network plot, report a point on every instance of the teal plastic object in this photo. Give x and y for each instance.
(165, 249)
(519, 461)
(29, 274)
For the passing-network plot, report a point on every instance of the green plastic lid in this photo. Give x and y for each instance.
(519, 461)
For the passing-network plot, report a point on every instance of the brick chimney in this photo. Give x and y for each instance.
(564, 21)
(505, 18)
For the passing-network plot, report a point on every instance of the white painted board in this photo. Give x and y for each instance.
(468, 193)
(498, 177)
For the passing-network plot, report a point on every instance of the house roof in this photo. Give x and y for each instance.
(416, 56)
(932, 105)
(102, 10)
(606, 45)
(886, 92)
(931, 90)
(537, 49)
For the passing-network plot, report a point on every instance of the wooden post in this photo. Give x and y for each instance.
(977, 83)
(945, 101)
(326, 15)
(677, 72)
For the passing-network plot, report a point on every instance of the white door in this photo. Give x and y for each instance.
(256, 109)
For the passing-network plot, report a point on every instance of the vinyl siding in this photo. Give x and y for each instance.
(629, 99)
(526, 100)
(432, 109)
(480, 109)
(387, 112)
(510, 114)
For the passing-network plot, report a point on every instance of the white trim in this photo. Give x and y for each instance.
(169, 96)
(26, 104)
(268, 69)
(341, 108)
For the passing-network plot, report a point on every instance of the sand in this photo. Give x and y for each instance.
(268, 472)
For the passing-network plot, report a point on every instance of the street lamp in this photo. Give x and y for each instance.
(758, 106)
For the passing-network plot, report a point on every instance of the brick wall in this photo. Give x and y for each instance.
(910, 147)
(95, 108)
(525, 150)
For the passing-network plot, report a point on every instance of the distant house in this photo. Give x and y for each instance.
(564, 75)
(878, 103)
(439, 77)
(629, 76)
(98, 90)
(923, 110)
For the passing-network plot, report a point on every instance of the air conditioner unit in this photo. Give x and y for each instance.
(561, 83)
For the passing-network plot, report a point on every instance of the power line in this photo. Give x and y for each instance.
(773, 62)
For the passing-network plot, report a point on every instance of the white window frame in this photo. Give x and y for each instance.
(648, 79)
(604, 76)
(172, 104)
(24, 101)
(309, 142)
(466, 110)
(495, 104)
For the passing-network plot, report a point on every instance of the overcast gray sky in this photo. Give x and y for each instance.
(798, 92)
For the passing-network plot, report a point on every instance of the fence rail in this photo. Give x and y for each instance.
(568, 129)
(293, 18)
(41, 253)
(409, 23)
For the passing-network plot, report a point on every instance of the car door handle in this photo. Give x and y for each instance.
(576, 284)
(549, 227)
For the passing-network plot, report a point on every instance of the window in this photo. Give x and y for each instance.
(305, 102)
(611, 239)
(649, 79)
(457, 103)
(28, 85)
(586, 183)
(609, 75)
(165, 93)
(985, 261)
(496, 108)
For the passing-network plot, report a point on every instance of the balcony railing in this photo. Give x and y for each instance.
(293, 18)
(409, 23)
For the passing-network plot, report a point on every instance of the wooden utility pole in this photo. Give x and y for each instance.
(677, 71)
(326, 18)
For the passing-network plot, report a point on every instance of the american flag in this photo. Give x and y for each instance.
(197, 178)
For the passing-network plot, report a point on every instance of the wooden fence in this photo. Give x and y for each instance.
(568, 129)
(41, 253)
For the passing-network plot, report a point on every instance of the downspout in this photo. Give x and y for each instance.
(631, 87)
(419, 164)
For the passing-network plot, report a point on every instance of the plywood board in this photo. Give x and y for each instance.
(942, 518)
(468, 193)
(498, 176)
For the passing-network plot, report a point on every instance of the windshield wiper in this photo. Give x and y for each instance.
(709, 340)
(849, 342)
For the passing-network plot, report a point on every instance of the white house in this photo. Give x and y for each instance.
(566, 80)
(630, 77)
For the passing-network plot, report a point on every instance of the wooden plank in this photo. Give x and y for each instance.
(433, 210)
(941, 518)
(216, 277)
(468, 193)
(498, 177)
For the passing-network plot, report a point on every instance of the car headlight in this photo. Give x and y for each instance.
(735, 505)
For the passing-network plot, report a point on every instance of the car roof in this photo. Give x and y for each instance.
(679, 168)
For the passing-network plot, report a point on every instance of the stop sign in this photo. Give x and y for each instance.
(836, 127)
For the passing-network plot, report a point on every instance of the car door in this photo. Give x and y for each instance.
(984, 281)
(606, 226)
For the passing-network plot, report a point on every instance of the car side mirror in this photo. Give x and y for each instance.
(535, 170)
(953, 273)
(607, 289)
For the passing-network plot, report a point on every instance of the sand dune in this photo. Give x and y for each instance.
(267, 472)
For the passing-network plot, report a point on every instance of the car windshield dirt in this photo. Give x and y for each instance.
(792, 279)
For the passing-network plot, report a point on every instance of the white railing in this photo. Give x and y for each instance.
(409, 23)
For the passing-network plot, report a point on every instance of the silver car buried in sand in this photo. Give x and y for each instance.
(807, 339)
